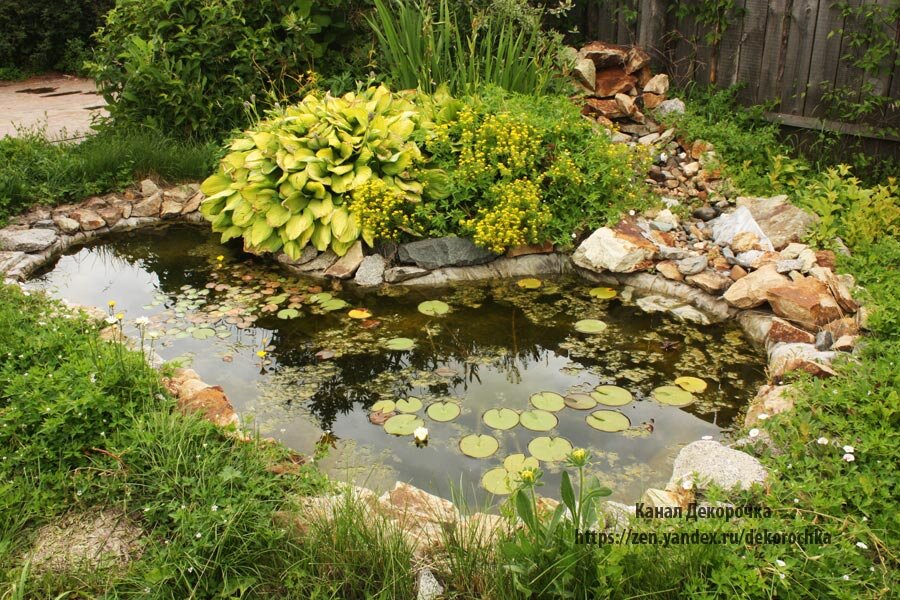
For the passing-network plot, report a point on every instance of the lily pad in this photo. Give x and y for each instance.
(580, 401)
(590, 326)
(549, 449)
(673, 395)
(359, 313)
(408, 405)
(403, 424)
(203, 333)
(497, 481)
(383, 406)
(443, 411)
(549, 401)
(608, 420)
(399, 344)
(612, 395)
(320, 297)
(478, 446)
(500, 418)
(516, 462)
(603, 293)
(691, 384)
(288, 313)
(529, 283)
(333, 304)
(434, 308)
(538, 420)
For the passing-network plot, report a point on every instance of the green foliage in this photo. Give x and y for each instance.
(188, 66)
(41, 35)
(463, 47)
(34, 170)
(288, 181)
(513, 159)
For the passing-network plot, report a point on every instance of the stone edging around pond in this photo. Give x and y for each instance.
(708, 269)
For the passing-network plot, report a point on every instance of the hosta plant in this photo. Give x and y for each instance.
(290, 180)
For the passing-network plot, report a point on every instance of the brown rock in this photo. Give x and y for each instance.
(845, 343)
(193, 205)
(782, 331)
(170, 209)
(644, 75)
(781, 221)
(88, 219)
(737, 272)
(842, 327)
(605, 55)
(636, 60)
(745, 241)
(669, 270)
(148, 207)
(750, 291)
(111, 214)
(585, 73)
(626, 105)
(346, 265)
(612, 81)
(710, 282)
(65, 224)
(698, 147)
(770, 400)
(407, 503)
(212, 404)
(606, 108)
(545, 248)
(806, 302)
(651, 101)
(826, 258)
(659, 84)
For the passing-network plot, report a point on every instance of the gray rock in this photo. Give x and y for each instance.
(531, 265)
(705, 213)
(398, 274)
(8, 260)
(66, 225)
(749, 259)
(788, 265)
(148, 207)
(672, 253)
(346, 265)
(44, 224)
(308, 253)
(617, 515)
(708, 462)
(824, 340)
(674, 105)
(322, 262)
(444, 252)
(673, 306)
(370, 271)
(428, 587)
(781, 221)
(661, 226)
(26, 240)
(692, 264)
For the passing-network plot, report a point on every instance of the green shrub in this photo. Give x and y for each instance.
(288, 181)
(189, 66)
(39, 35)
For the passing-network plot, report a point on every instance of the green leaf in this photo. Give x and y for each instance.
(400, 344)
(549, 401)
(500, 418)
(260, 232)
(608, 420)
(278, 216)
(538, 420)
(443, 411)
(478, 445)
(549, 449)
(672, 395)
(612, 395)
(580, 401)
(408, 405)
(403, 424)
(497, 481)
(434, 308)
(590, 326)
(567, 493)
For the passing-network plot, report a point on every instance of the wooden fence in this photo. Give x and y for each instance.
(787, 53)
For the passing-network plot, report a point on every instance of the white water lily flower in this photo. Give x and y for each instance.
(822, 441)
(862, 545)
(421, 434)
(111, 320)
(141, 321)
(706, 437)
(849, 449)
(849, 457)
(753, 432)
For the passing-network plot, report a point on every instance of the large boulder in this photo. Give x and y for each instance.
(26, 240)
(444, 252)
(346, 265)
(807, 302)
(770, 400)
(786, 357)
(620, 250)
(750, 291)
(370, 271)
(781, 221)
(708, 462)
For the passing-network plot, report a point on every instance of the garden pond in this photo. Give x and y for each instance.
(496, 371)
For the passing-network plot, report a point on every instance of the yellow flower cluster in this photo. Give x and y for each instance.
(381, 209)
(500, 145)
(564, 169)
(517, 217)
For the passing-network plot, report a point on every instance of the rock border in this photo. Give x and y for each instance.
(714, 268)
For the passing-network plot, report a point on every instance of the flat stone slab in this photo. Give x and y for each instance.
(444, 252)
(26, 240)
(708, 462)
(62, 105)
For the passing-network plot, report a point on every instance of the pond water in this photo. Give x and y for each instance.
(295, 363)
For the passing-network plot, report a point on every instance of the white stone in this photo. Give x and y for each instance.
(604, 250)
(26, 240)
(706, 462)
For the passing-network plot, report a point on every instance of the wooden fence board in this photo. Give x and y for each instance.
(826, 51)
(730, 49)
(804, 15)
(754, 40)
(774, 51)
(848, 77)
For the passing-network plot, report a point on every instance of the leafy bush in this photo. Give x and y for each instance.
(39, 35)
(288, 181)
(464, 47)
(34, 170)
(188, 66)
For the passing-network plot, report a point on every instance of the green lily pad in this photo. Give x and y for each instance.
(538, 420)
(529, 283)
(580, 401)
(320, 297)
(516, 462)
(673, 395)
(500, 418)
(590, 326)
(478, 446)
(403, 424)
(612, 395)
(549, 449)
(408, 405)
(608, 420)
(691, 384)
(549, 401)
(443, 411)
(603, 293)
(333, 304)
(399, 344)
(203, 333)
(384, 406)
(434, 308)
(288, 313)
(497, 481)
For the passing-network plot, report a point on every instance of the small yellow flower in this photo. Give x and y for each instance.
(527, 475)
(220, 258)
(120, 316)
(261, 353)
(111, 303)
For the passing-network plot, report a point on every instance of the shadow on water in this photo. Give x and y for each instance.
(219, 309)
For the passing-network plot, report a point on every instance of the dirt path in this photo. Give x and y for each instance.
(62, 105)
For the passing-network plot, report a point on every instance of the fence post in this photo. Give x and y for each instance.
(651, 26)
